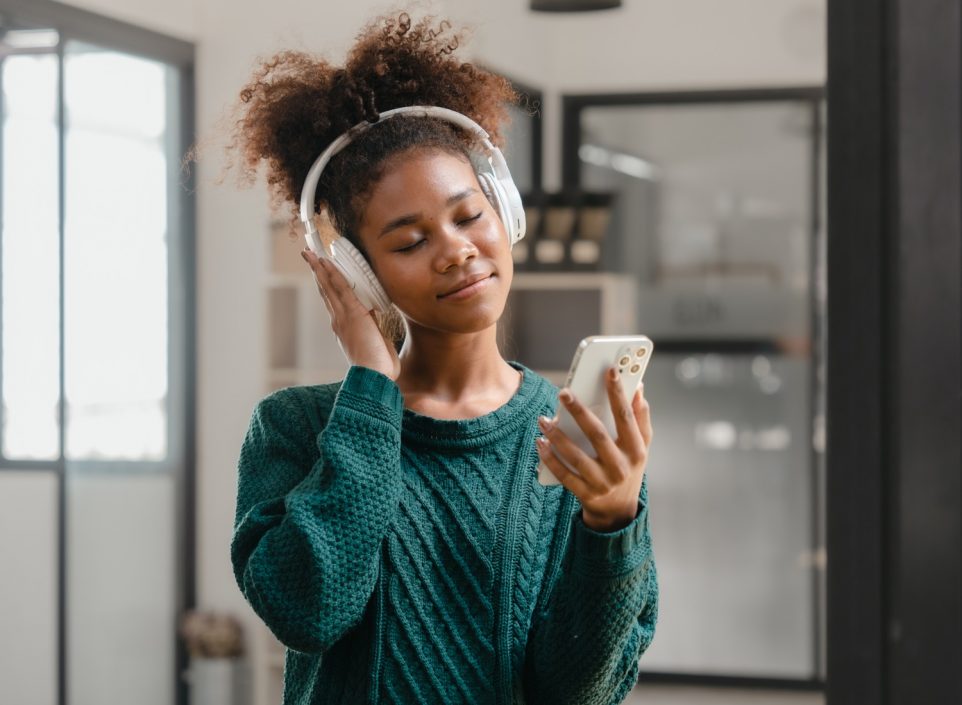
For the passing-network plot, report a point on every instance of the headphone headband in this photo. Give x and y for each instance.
(309, 192)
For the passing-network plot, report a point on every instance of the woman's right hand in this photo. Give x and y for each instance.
(355, 327)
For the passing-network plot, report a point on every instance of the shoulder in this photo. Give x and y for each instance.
(307, 406)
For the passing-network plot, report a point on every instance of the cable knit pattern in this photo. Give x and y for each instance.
(406, 559)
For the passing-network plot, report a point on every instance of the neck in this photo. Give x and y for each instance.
(453, 367)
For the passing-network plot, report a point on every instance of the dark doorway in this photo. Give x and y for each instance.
(895, 322)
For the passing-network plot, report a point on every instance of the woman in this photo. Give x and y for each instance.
(390, 528)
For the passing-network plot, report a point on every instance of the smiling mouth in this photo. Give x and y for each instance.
(476, 284)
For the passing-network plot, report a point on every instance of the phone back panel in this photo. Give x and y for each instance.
(586, 380)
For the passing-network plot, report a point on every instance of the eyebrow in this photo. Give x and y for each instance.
(414, 217)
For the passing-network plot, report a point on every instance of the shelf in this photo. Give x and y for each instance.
(564, 279)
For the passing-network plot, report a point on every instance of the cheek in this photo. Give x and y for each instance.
(494, 241)
(395, 280)
(505, 257)
(405, 281)
(386, 274)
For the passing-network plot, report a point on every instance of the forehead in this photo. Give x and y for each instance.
(421, 177)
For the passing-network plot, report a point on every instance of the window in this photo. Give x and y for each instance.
(95, 356)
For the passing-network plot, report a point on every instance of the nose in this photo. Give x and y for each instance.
(455, 249)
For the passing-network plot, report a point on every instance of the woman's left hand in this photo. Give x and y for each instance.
(608, 484)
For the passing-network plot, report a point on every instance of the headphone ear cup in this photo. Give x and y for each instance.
(486, 181)
(491, 189)
(359, 274)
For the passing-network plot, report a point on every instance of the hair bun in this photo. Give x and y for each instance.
(297, 103)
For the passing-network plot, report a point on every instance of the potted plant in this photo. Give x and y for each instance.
(215, 644)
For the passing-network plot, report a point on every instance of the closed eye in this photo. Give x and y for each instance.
(410, 247)
(462, 223)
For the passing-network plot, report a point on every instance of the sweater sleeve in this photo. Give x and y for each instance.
(599, 618)
(313, 508)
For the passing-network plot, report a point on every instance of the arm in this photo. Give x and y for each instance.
(312, 511)
(599, 619)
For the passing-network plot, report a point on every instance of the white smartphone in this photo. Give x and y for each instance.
(629, 354)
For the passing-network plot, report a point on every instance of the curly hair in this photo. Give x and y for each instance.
(297, 103)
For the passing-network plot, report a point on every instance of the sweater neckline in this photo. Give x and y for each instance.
(484, 428)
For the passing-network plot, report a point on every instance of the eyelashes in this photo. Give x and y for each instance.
(462, 223)
(410, 247)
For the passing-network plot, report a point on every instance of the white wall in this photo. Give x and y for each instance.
(176, 18)
(646, 45)
(28, 590)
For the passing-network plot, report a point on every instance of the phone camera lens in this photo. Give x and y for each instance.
(624, 360)
(641, 352)
(635, 368)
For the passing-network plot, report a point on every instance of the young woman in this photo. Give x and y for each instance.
(390, 528)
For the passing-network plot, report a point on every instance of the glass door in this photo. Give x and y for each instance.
(716, 218)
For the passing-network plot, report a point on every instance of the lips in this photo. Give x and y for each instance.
(464, 283)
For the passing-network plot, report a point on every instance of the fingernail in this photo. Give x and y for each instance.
(304, 255)
(544, 422)
(565, 395)
(612, 374)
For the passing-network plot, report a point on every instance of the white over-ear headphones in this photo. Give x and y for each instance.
(490, 167)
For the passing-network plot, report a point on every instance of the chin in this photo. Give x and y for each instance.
(473, 320)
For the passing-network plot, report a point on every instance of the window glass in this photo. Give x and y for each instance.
(115, 242)
(31, 259)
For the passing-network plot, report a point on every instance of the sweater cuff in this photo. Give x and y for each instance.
(611, 554)
(373, 393)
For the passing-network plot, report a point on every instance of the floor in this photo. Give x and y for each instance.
(685, 695)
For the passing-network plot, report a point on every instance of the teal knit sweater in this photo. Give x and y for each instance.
(407, 559)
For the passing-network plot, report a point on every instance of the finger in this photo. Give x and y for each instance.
(572, 482)
(586, 466)
(340, 288)
(629, 438)
(327, 304)
(342, 297)
(609, 455)
(325, 272)
(320, 277)
(335, 298)
(325, 277)
(643, 415)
